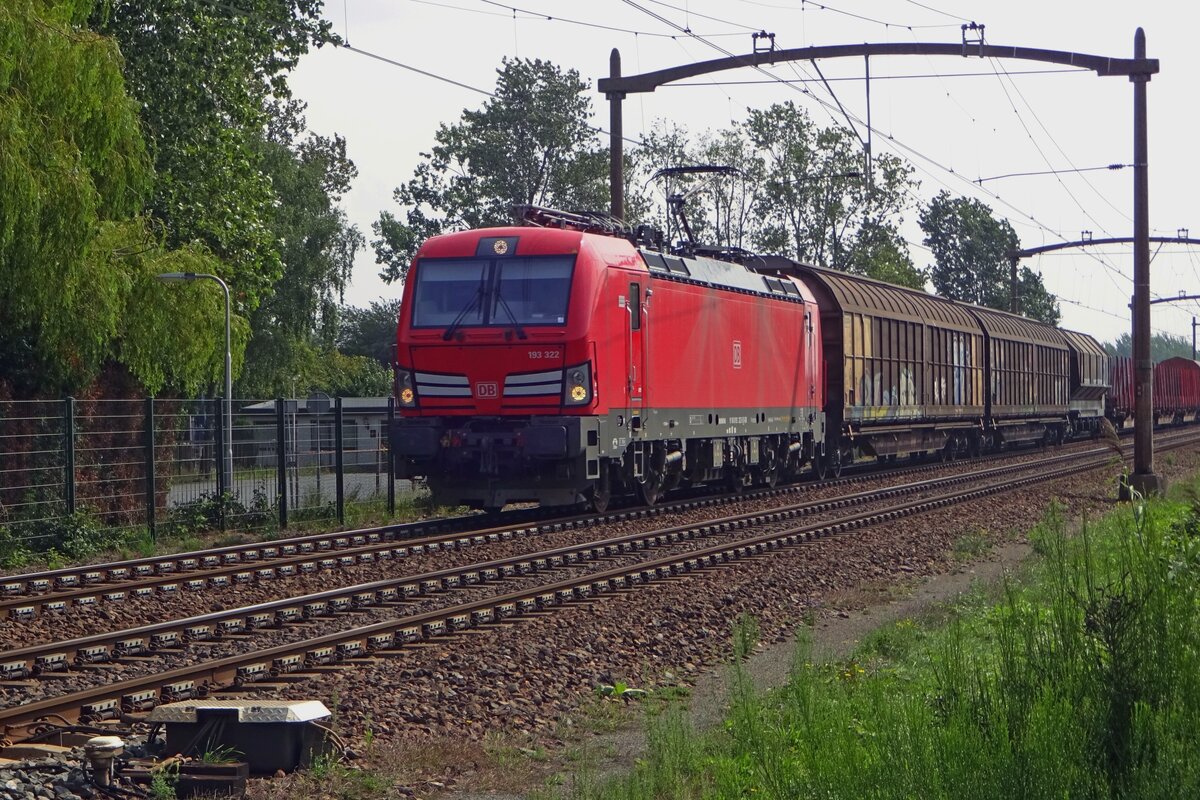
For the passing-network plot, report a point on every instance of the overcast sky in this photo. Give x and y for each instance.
(978, 118)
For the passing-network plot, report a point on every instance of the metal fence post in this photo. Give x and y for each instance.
(281, 460)
(69, 449)
(339, 460)
(219, 459)
(391, 458)
(150, 484)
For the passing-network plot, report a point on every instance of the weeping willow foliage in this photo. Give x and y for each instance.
(77, 258)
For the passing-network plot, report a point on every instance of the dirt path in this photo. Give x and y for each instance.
(839, 630)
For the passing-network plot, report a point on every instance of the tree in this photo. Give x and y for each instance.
(815, 201)
(351, 376)
(880, 252)
(309, 175)
(530, 144)
(78, 258)
(1162, 346)
(205, 74)
(970, 249)
(370, 331)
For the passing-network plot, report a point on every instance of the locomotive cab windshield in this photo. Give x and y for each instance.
(512, 292)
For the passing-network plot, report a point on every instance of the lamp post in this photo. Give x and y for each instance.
(227, 445)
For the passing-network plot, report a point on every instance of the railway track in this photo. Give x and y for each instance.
(27, 595)
(58, 656)
(366, 644)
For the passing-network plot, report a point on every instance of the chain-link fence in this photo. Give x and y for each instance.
(156, 465)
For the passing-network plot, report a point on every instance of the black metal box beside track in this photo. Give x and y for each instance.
(268, 735)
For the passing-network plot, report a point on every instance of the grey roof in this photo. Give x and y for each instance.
(356, 405)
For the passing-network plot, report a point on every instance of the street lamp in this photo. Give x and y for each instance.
(227, 445)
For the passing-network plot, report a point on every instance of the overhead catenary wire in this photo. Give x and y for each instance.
(806, 4)
(1054, 141)
(773, 78)
(840, 107)
(1111, 167)
(536, 15)
(1020, 118)
(460, 84)
(896, 143)
(937, 11)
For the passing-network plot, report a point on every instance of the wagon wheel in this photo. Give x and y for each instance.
(836, 462)
(974, 448)
(820, 466)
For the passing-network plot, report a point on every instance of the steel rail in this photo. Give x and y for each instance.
(390, 591)
(444, 526)
(347, 647)
(169, 575)
(70, 584)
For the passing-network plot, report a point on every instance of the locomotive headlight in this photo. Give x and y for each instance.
(405, 391)
(577, 388)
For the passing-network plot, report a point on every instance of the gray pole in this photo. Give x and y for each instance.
(1193, 338)
(1143, 478)
(870, 154)
(228, 391)
(616, 143)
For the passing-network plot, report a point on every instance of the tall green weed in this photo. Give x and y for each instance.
(1081, 680)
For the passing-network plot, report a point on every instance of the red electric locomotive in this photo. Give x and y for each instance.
(565, 363)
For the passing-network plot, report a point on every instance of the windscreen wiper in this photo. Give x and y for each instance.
(475, 301)
(504, 304)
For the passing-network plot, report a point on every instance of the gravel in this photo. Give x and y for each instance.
(211, 650)
(78, 621)
(533, 675)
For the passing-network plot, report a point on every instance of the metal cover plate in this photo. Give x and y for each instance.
(249, 711)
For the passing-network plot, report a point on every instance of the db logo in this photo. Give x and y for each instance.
(737, 355)
(487, 390)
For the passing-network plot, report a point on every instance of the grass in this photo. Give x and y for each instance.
(971, 545)
(1079, 679)
(513, 762)
(90, 541)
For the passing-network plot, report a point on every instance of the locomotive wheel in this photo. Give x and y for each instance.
(770, 475)
(599, 499)
(600, 495)
(650, 487)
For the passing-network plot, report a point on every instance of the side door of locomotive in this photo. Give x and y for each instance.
(635, 352)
